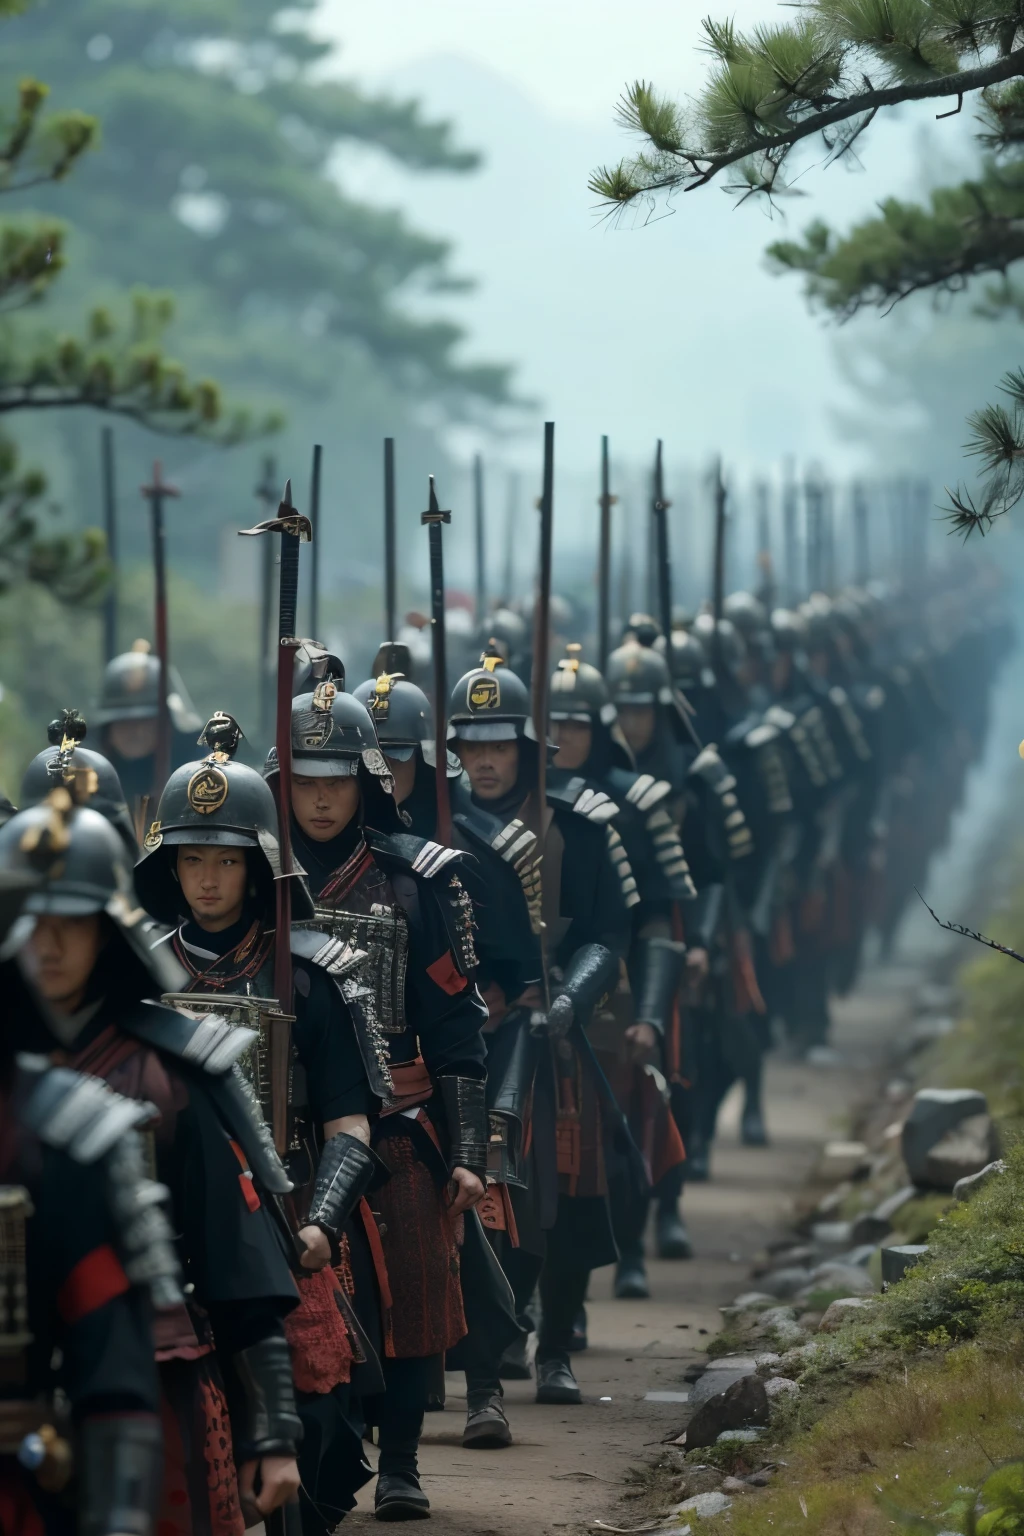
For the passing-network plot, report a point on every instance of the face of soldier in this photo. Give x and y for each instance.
(60, 957)
(213, 882)
(132, 738)
(573, 739)
(324, 807)
(492, 766)
(637, 722)
(404, 775)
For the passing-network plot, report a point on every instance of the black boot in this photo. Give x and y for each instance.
(486, 1425)
(671, 1234)
(752, 1131)
(698, 1158)
(556, 1382)
(400, 1497)
(631, 1276)
(515, 1362)
(577, 1341)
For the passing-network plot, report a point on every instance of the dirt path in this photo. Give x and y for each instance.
(567, 1464)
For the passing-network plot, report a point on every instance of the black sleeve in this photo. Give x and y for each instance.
(507, 948)
(102, 1324)
(326, 1043)
(231, 1248)
(591, 893)
(442, 1005)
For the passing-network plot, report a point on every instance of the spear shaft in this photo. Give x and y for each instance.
(390, 582)
(110, 530)
(604, 563)
(156, 493)
(663, 561)
(542, 638)
(434, 519)
(314, 563)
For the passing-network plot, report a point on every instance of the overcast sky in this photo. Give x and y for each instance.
(674, 330)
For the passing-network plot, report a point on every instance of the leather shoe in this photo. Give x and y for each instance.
(556, 1382)
(400, 1497)
(515, 1362)
(486, 1425)
(631, 1279)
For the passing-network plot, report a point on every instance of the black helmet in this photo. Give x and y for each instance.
(85, 870)
(789, 630)
(402, 718)
(637, 674)
(751, 619)
(131, 691)
(490, 703)
(7, 809)
(67, 763)
(217, 803)
(643, 628)
(333, 738)
(722, 642)
(687, 661)
(507, 630)
(579, 692)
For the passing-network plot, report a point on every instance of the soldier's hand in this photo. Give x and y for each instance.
(279, 1482)
(466, 1190)
(641, 1039)
(696, 965)
(318, 1249)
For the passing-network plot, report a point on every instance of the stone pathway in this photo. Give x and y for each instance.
(567, 1465)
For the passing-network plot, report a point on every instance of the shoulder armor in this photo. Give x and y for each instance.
(459, 921)
(335, 956)
(851, 723)
(199, 1040)
(761, 735)
(648, 792)
(80, 1115)
(781, 718)
(515, 842)
(622, 866)
(585, 799)
(418, 854)
(708, 765)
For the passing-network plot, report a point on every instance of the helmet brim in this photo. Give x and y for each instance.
(209, 837)
(326, 767)
(115, 713)
(57, 903)
(483, 730)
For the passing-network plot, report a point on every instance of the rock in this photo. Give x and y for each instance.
(742, 1402)
(843, 1160)
(779, 1387)
(859, 1257)
(713, 1384)
(965, 1149)
(837, 1314)
(850, 1278)
(740, 1365)
(897, 1089)
(896, 1261)
(834, 1199)
(734, 1485)
(748, 1436)
(782, 1283)
(833, 1234)
(964, 1188)
(787, 1257)
(703, 1505)
(758, 1479)
(766, 1362)
(752, 1301)
(795, 1361)
(934, 1112)
(781, 1326)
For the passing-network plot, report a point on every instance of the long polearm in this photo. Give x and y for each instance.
(542, 636)
(314, 527)
(479, 538)
(663, 560)
(604, 563)
(294, 530)
(434, 519)
(156, 493)
(718, 568)
(266, 493)
(390, 553)
(109, 482)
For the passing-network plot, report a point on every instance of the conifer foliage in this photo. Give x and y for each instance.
(824, 77)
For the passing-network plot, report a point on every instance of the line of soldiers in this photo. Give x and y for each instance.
(239, 1236)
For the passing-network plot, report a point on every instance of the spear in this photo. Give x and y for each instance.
(314, 525)
(110, 529)
(663, 563)
(294, 530)
(478, 527)
(434, 518)
(861, 558)
(813, 497)
(789, 536)
(604, 563)
(156, 493)
(266, 492)
(718, 569)
(542, 633)
(390, 583)
(511, 521)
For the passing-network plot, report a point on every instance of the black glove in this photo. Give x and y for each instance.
(347, 1169)
(465, 1105)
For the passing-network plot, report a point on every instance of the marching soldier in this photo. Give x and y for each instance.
(128, 716)
(89, 957)
(578, 1139)
(209, 865)
(89, 776)
(399, 900)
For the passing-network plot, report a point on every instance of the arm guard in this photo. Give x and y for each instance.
(346, 1171)
(590, 974)
(705, 916)
(122, 1468)
(271, 1425)
(664, 960)
(465, 1106)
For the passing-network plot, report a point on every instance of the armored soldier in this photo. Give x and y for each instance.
(210, 858)
(399, 901)
(404, 723)
(89, 958)
(580, 909)
(128, 714)
(629, 1034)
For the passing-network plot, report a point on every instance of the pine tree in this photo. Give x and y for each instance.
(827, 76)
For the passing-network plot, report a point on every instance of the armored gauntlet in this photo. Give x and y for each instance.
(664, 960)
(270, 1423)
(465, 1105)
(346, 1171)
